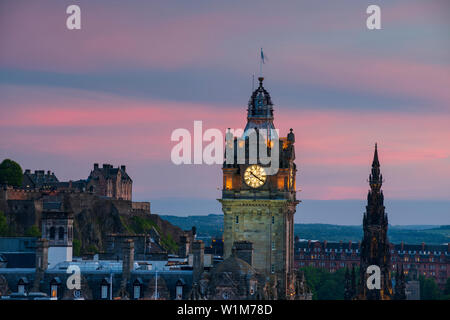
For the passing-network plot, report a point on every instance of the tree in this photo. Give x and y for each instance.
(33, 231)
(10, 173)
(4, 229)
(325, 285)
(447, 286)
(76, 247)
(446, 295)
(429, 290)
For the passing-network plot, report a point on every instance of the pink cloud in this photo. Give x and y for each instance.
(335, 143)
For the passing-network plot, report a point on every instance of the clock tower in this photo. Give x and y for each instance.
(259, 203)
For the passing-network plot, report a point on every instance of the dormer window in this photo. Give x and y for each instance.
(104, 289)
(137, 289)
(179, 289)
(22, 285)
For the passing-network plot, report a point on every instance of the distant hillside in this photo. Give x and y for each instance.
(212, 225)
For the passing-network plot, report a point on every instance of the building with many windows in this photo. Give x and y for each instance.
(429, 260)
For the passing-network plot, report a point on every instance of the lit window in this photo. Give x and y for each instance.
(54, 291)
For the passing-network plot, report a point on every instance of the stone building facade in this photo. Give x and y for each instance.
(57, 229)
(235, 278)
(110, 182)
(429, 260)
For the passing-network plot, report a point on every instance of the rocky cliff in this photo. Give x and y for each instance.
(94, 218)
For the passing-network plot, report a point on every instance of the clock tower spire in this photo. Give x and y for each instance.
(259, 205)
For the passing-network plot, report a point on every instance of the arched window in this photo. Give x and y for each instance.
(52, 233)
(61, 233)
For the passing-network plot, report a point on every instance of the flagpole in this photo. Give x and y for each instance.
(260, 64)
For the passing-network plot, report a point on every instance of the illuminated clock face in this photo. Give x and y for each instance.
(255, 176)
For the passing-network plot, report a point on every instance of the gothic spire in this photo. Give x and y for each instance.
(375, 162)
(375, 244)
(375, 178)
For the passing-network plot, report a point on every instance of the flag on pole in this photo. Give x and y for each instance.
(262, 57)
(262, 61)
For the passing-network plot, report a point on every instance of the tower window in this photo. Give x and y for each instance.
(228, 183)
(273, 219)
(237, 219)
(272, 269)
(273, 245)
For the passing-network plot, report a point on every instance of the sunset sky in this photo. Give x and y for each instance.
(114, 91)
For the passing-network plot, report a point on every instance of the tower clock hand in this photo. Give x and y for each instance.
(256, 176)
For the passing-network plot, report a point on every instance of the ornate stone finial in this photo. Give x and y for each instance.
(291, 136)
(261, 79)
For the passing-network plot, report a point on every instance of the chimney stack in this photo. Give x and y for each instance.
(41, 263)
(41, 255)
(185, 246)
(123, 168)
(243, 250)
(198, 251)
(95, 166)
(128, 257)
